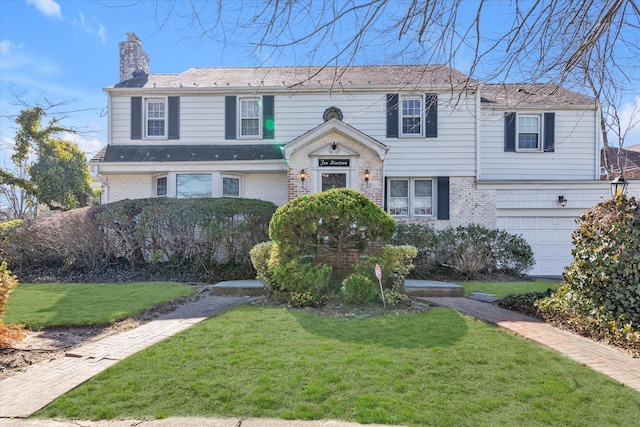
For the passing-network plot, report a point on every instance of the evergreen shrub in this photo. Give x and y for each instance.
(600, 294)
(358, 289)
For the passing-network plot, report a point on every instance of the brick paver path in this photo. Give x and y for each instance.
(23, 394)
(611, 362)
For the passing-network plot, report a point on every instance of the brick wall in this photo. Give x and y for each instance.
(467, 205)
(122, 187)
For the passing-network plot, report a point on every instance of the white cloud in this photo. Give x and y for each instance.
(630, 120)
(48, 7)
(102, 32)
(93, 27)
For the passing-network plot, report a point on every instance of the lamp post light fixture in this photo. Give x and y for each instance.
(303, 175)
(618, 186)
(562, 200)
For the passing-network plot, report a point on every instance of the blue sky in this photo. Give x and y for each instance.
(68, 51)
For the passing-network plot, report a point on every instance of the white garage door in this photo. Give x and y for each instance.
(549, 237)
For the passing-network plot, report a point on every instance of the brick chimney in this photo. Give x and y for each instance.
(133, 60)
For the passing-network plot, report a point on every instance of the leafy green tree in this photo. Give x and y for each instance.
(59, 176)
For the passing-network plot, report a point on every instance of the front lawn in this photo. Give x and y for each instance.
(68, 304)
(436, 368)
(501, 289)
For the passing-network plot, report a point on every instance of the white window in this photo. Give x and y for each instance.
(161, 186)
(155, 117)
(230, 186)
(411, 116)
(193, 185)
(529, 133)
(250, 120)
(411, 197)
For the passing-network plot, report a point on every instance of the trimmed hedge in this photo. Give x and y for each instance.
(204, 233)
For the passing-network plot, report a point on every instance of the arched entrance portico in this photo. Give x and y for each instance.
(335, 154)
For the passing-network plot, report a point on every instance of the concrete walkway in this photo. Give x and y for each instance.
(599, 357)
(22, 395)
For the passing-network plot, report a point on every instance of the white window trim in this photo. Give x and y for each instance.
(239, 117)
(401, 134)
(239, 178)
(540, 147)
(412, 197)
(146, 101)
(155, 186)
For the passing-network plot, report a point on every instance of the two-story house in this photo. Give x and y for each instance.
(426, 143)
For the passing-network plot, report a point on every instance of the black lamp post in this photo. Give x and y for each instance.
(618, 186)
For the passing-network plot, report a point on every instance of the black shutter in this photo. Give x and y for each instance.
(174, 117)
(509, 131)
(443, 197)
(230, 113)
(392, 115)
(136, 117)
(549, 132)
(268, 122)
(431, 115)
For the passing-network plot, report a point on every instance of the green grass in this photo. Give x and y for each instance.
(501, 289)
(436, 368)
(65, 304)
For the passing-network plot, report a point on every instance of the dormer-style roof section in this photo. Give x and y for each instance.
(409, 76)
(531, 94)
(335, 125)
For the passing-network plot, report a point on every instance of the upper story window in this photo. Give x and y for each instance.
(412, 116)
(529, 132)
(411, 197)
(155, 117)
(230, 186)
(250, 117)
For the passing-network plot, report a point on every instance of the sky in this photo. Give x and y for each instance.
(66, 51)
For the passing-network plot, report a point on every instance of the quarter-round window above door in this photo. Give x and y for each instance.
(332, 113)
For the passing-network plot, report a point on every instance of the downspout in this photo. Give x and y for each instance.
(598, 135)
(478, 134)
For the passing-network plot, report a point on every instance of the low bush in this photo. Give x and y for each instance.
(465, 252)
(358, 289)
(303, 284)
(8, 282)
(395, 263)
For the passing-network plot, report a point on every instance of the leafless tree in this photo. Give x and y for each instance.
(592, 46)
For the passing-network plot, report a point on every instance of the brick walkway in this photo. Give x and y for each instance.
(23, 394)
(606, 360)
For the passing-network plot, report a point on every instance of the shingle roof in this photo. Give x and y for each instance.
(629, 159)
(524, 94)
(311, 76)
(187, 153)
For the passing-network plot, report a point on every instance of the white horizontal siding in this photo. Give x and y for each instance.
(574, 157)
(452, 153)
